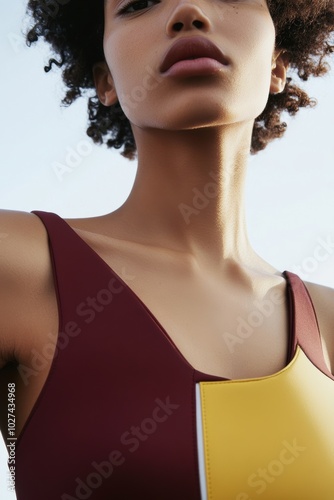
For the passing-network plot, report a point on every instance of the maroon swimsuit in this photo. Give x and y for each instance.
(116, 417)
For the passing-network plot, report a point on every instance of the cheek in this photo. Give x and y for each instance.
(137, 83)
(253, 59)
(123, 61)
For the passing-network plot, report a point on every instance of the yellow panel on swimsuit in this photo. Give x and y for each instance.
(267, 438)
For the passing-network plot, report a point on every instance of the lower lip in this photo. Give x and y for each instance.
(190, 67)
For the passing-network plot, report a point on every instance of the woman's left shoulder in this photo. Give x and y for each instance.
(323, 301)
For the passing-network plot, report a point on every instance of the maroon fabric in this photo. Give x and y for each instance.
(109, 379)
(116, 416)
(304, 323)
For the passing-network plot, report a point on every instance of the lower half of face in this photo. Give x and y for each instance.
(236, 92)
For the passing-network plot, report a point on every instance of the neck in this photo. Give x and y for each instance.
(188, 194)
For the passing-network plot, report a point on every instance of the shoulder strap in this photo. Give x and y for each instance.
(304, 324)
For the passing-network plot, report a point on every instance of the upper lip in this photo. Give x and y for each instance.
(191, 48)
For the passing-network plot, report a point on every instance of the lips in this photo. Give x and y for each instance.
(192, 48)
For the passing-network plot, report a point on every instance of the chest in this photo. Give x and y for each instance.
(216, 325)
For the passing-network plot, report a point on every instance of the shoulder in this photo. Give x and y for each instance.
(17, 227)
(323, 301)
(22, 238)
(25, 280)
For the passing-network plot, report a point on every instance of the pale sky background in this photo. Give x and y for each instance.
(290, 186)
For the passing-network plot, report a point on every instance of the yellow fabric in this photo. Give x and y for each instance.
(270, 438)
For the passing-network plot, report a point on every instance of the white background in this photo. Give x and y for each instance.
(289, 190)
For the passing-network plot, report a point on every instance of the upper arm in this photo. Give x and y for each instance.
(323, 301)
(23, 269)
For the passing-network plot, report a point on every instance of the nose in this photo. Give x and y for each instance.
(186, 16)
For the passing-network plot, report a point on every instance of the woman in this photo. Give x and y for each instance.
(122, 379)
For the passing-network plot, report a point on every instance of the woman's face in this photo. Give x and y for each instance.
(137, 39)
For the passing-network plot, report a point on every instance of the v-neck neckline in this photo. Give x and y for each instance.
(198, 375)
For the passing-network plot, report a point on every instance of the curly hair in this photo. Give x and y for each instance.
(74, 29)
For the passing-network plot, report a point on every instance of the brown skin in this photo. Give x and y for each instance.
(183, 126)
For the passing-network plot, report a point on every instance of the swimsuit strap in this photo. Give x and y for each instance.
(304, 324)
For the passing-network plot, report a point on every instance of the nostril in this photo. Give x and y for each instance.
(178, 26)
(198, 24)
